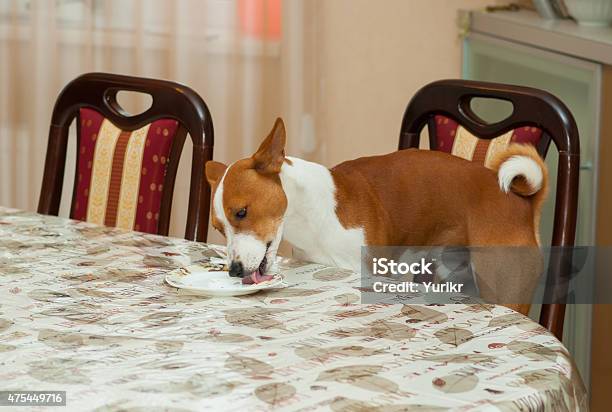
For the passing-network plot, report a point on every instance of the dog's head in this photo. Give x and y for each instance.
(249, 204)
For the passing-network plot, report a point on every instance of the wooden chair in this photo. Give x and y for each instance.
(127, 164)
(537, 118)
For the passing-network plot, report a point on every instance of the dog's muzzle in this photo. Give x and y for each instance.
(259, 275)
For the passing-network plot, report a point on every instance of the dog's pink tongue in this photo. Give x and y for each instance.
(255, 277)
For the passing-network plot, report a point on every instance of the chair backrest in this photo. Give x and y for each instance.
(537, 117)
(127, 164)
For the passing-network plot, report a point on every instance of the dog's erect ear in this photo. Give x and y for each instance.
(214, 171)
(270, 156)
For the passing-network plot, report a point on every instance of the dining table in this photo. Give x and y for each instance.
(85, 309)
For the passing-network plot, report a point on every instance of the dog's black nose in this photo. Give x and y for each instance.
(236, 269)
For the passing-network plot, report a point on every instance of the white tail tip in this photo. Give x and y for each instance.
(520, 166)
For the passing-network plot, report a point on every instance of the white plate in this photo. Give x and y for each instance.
(207, 281)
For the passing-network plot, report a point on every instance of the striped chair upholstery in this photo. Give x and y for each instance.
(121, 173)
(452, 138)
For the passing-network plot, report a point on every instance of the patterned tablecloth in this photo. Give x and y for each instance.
(85, 309)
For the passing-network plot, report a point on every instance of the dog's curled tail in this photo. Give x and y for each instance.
(520, 169)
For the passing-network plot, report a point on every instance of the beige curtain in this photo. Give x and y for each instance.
(239, 55)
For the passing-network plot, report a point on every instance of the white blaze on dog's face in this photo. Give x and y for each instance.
(249, 205)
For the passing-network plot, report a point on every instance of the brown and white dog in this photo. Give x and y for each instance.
(409, 197)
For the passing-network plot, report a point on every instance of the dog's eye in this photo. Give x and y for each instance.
(241, 214)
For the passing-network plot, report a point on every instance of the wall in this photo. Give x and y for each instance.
(371, 57)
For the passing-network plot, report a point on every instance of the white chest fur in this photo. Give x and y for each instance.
(311, 224)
